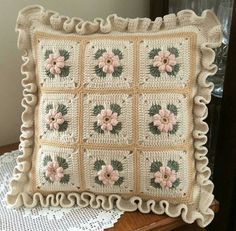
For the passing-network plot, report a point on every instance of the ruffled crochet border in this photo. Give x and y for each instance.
(18, 194)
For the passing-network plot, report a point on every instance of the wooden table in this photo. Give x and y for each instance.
(136, 221)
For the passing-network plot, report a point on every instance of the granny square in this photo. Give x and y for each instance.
(114, 113)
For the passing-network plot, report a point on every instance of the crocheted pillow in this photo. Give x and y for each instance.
(114, 113)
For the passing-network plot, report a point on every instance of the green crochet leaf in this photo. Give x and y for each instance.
(62, 108)
(172, 108)
(98, 165)
(65, 71)
(153, 53)
(62, 162)
(49, 74)
(118, 53)
(117, 165)
(117, 71)
(155, 166)
(64, 53)
(115, 108)
(63, 127)
(49, 107)
(176, 183)
(153, 129)
(174, 51)
(97, 128)
(46, 159)
(154, 71)
(99, 53)
(97, 109)
(175, 70)
(99, 72)
(154, 184)
(97, 181)
(47, 53)
(65, 179)
(173, 165)
(175, 128)
(154, 109)
(116, 129)
(119, 181)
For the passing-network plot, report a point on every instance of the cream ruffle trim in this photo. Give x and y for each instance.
(19, 187)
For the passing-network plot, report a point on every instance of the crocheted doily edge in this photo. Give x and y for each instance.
(18, 195)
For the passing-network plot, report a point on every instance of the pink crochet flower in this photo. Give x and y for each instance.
(53, 171)
(164, 120)
(107, 119)
(107, 175)
(108, 61)
(165, 177)
(54, 119)
(164, 61)
(55, 63)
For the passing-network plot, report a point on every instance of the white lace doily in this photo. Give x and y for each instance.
(52, 218)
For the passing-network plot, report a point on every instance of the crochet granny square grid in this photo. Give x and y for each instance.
(114, 113)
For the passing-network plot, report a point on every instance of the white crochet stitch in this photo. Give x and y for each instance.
(114, 113)
(50, 218)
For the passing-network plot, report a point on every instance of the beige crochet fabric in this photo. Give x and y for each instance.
(114, 113)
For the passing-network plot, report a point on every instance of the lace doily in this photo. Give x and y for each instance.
(51, 218)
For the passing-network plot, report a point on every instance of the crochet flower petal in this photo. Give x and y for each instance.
(52, 70)
(108, 112)
(57, 70)
(168, 68)
(168, 184)
(162, 68)
(101, 64)
(60, 121)
(114, 122)
(56, 126)
(162, 170)
(109, 127)
(163, 184)
(60, 59)
(114, 115)
(158, 58)
(170, 127)
(51, 126)
(166, 54)
(157, 63)
(167, 170)
(110, 69)
(105, 68)
(157, 116)
(157, 122)
(161, 113)
(48, 66)
(103, 113)
(60, 64)
(109, 168)
(104, 127)
(165, 128)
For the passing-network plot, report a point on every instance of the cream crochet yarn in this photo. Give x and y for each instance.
(114, 113)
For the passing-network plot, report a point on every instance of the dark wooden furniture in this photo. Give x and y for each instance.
(131, 221)
(224, 176)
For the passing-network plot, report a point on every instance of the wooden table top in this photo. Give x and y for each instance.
(136, 221)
